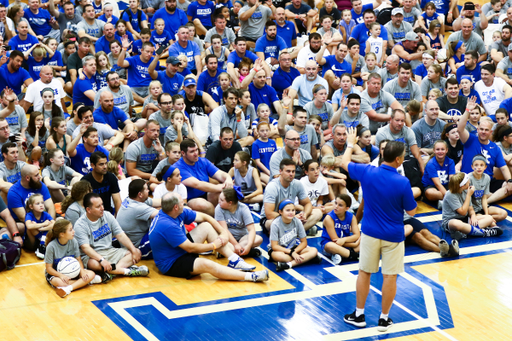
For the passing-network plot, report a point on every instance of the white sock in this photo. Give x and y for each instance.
(234, 257)
(126, 272)
(68, 289)
(289, 264)
(359, 312)
(384, 316)
(248, 276)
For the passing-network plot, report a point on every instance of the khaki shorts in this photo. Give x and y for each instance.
(112, 255)
(371, 251)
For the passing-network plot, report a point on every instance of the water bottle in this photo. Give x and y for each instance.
(5, 236)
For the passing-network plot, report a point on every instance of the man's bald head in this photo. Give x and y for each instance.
(311, 63)
(291, 134)
(432, 104)
(105, 95)
(28, 170)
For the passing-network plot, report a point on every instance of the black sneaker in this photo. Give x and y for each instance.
(457, 235)
(317, 259)
(454, 249)
(105, 277)
(384, 325)
(355, 321)
(41, 251)
(312, 231)
(255, 252)
(282, 266)
(493, 232)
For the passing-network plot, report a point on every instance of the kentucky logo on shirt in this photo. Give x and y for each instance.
(304, 139)
(403, 96)
(485, 153)
(453, 112)
(377, 105)
(352, 124)
(443, 177)
(478, 194)
(256, 15)
(101, 232)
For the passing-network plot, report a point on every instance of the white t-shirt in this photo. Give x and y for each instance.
(161, 190)
(33, 94)
(306, 54)
(316, 190)
(491, 96)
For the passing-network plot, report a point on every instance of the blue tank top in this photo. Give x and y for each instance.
(342, 227)
(406, 50)
(435, 43)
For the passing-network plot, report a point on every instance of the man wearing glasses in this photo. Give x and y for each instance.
(123, 97)
(292, 151)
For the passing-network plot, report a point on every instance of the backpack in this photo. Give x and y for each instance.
(384, 16)
(10, 253)
(130, 15)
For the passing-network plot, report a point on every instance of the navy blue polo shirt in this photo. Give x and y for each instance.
(387, 195)
(490, 151)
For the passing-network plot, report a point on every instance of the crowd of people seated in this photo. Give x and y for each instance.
(161, 131)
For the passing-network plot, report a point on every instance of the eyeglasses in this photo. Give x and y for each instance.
(5, 128)
(294, 139)
(166, 103)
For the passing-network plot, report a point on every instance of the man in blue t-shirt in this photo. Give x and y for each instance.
(236, 57)
(85, 89)
(285, 29)
(208, 80)
(333, 66)
(382, 227)
(176, 252)
(358, 9)
(303, 14)
(269, 45)
(171, 80)
(80, 153)
(23, 41)
(30, 183)
(186, 47)
(202, 195)
(41, 22)
(361, 31)
(261, 92)
(470, 68)
(200, 13)
(284, 75)
(109, 35)
(12, 75)
(173, 16)
(138, 75)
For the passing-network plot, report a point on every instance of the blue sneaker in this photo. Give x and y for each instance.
(240, 264)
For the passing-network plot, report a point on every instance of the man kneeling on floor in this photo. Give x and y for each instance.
(176, 252)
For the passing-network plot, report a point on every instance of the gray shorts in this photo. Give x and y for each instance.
(111, 255)
(142, 91)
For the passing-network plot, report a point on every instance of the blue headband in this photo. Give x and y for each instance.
(466, 77)
(239, 193)
(284, 203)
(459, 44)
(168, 173)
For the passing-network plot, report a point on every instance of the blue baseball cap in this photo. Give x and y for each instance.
(189, 81)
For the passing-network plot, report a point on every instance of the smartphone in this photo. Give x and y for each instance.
(14, 138)
(161, 49)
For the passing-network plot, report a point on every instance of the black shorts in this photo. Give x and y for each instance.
(249, 39)
(50, 277)
(183, 266)
(417, 226)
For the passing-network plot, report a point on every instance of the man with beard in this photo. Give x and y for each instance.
(285, 28)
(480, 23)
(269, 45)
(173, 17)
(452, 104)
(208, 80)
(90, 27)
(46, 80)
(470, 68)
(30, 183)
(12, 75)
(67, 20)
(397, 28)
(170, 79)
(222, 151)
(403, 88)
(310, 52)
(361, 31)
(109, 35)
(123, 97)
(10, 168)
(333, 66)
(499, 48)
(472, 40)
(303, 85)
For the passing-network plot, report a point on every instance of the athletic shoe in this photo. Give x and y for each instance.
(282, 266)
(440, 205)
(355, 321)
(255, 207)
(457, 235)
(317, 259)
(63, 291)
(353, 255)
(254, 252)
(260, 276)
(138, 271)
(384, 325)
(240, 264)
(41, 251)
(493, 232)
(454, 249)
(219, 255)
(207, 253)
(106, 277)
(96, 280)
(444, 248)
(312, 231)
(336, 259)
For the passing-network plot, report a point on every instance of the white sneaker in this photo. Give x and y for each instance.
(336, 259)
(96, 280)
(260, 276)
(63, 291)
(240, 264)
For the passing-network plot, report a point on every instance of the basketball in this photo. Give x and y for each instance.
(69, 266)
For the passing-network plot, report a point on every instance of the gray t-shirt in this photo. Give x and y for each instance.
(113, 61)
(359, 65)
(164, 123)
(237, 222)
(349, 121)
(406, 135)
(304, 88)
(42, 140)
(397, 34)
(451, 203)
(144, 156)
(97, 234)
(70, 24)
(427, 135)
(411, 17)
(482, 187)
(71, 126)
(427, 85)
(105, 132)
(380, 104)
(474, 42)
(308, 137)
(94, 30)
(386, 76)
(506, 65)
(404, 95)
(64, 173)
(17, 120)
(171, 134)
(55, 251)
(228, 36)
(281, 154)
(134, 217)
(287, 235)
(336, 152)
(11, 175)
(160, 166)
(74, 211)
(253, 27)
(122, 99)
(275, 193)
(505, 151)
(325, 112)
(376, 69)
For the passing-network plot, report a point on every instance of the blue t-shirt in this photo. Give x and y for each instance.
(434, 170)
(202, 12)
(55, 60)
(421, 71)
(190, 52)
(359, 17)
(172, 21)
(166, 234)
(338, 68)
(475, 74)
(270, 48)
(505, 104)
(138, 75)
(23, 45)
(136, 25)
(476, 94)
(490, 151)
(102, 44)
(44, 217)
(39, 22)
(428, 19)
(287, 33)
(111, 119)
(271, 121)
(236, 59)
(161, 39)
(81, 86)
(208, 83)
(341, 227)
(263, 151)
(202, 171)
(34, 67)
(18, 195)
(282, 80)
(81, 162)
(383, 219)
(128, 33)
(136, 46)
(113, 21)
(170, 85)
(265, 95)
(360, 33)
(442, 6)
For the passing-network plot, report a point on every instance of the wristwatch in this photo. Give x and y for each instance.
(16, 234)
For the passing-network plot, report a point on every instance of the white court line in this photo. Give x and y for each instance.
(20, 266)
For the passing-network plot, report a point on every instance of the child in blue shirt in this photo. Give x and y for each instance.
(438, 171)
(262, 150)
(37, 56)
(263, 112)
(160, 36)
(38, 223)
